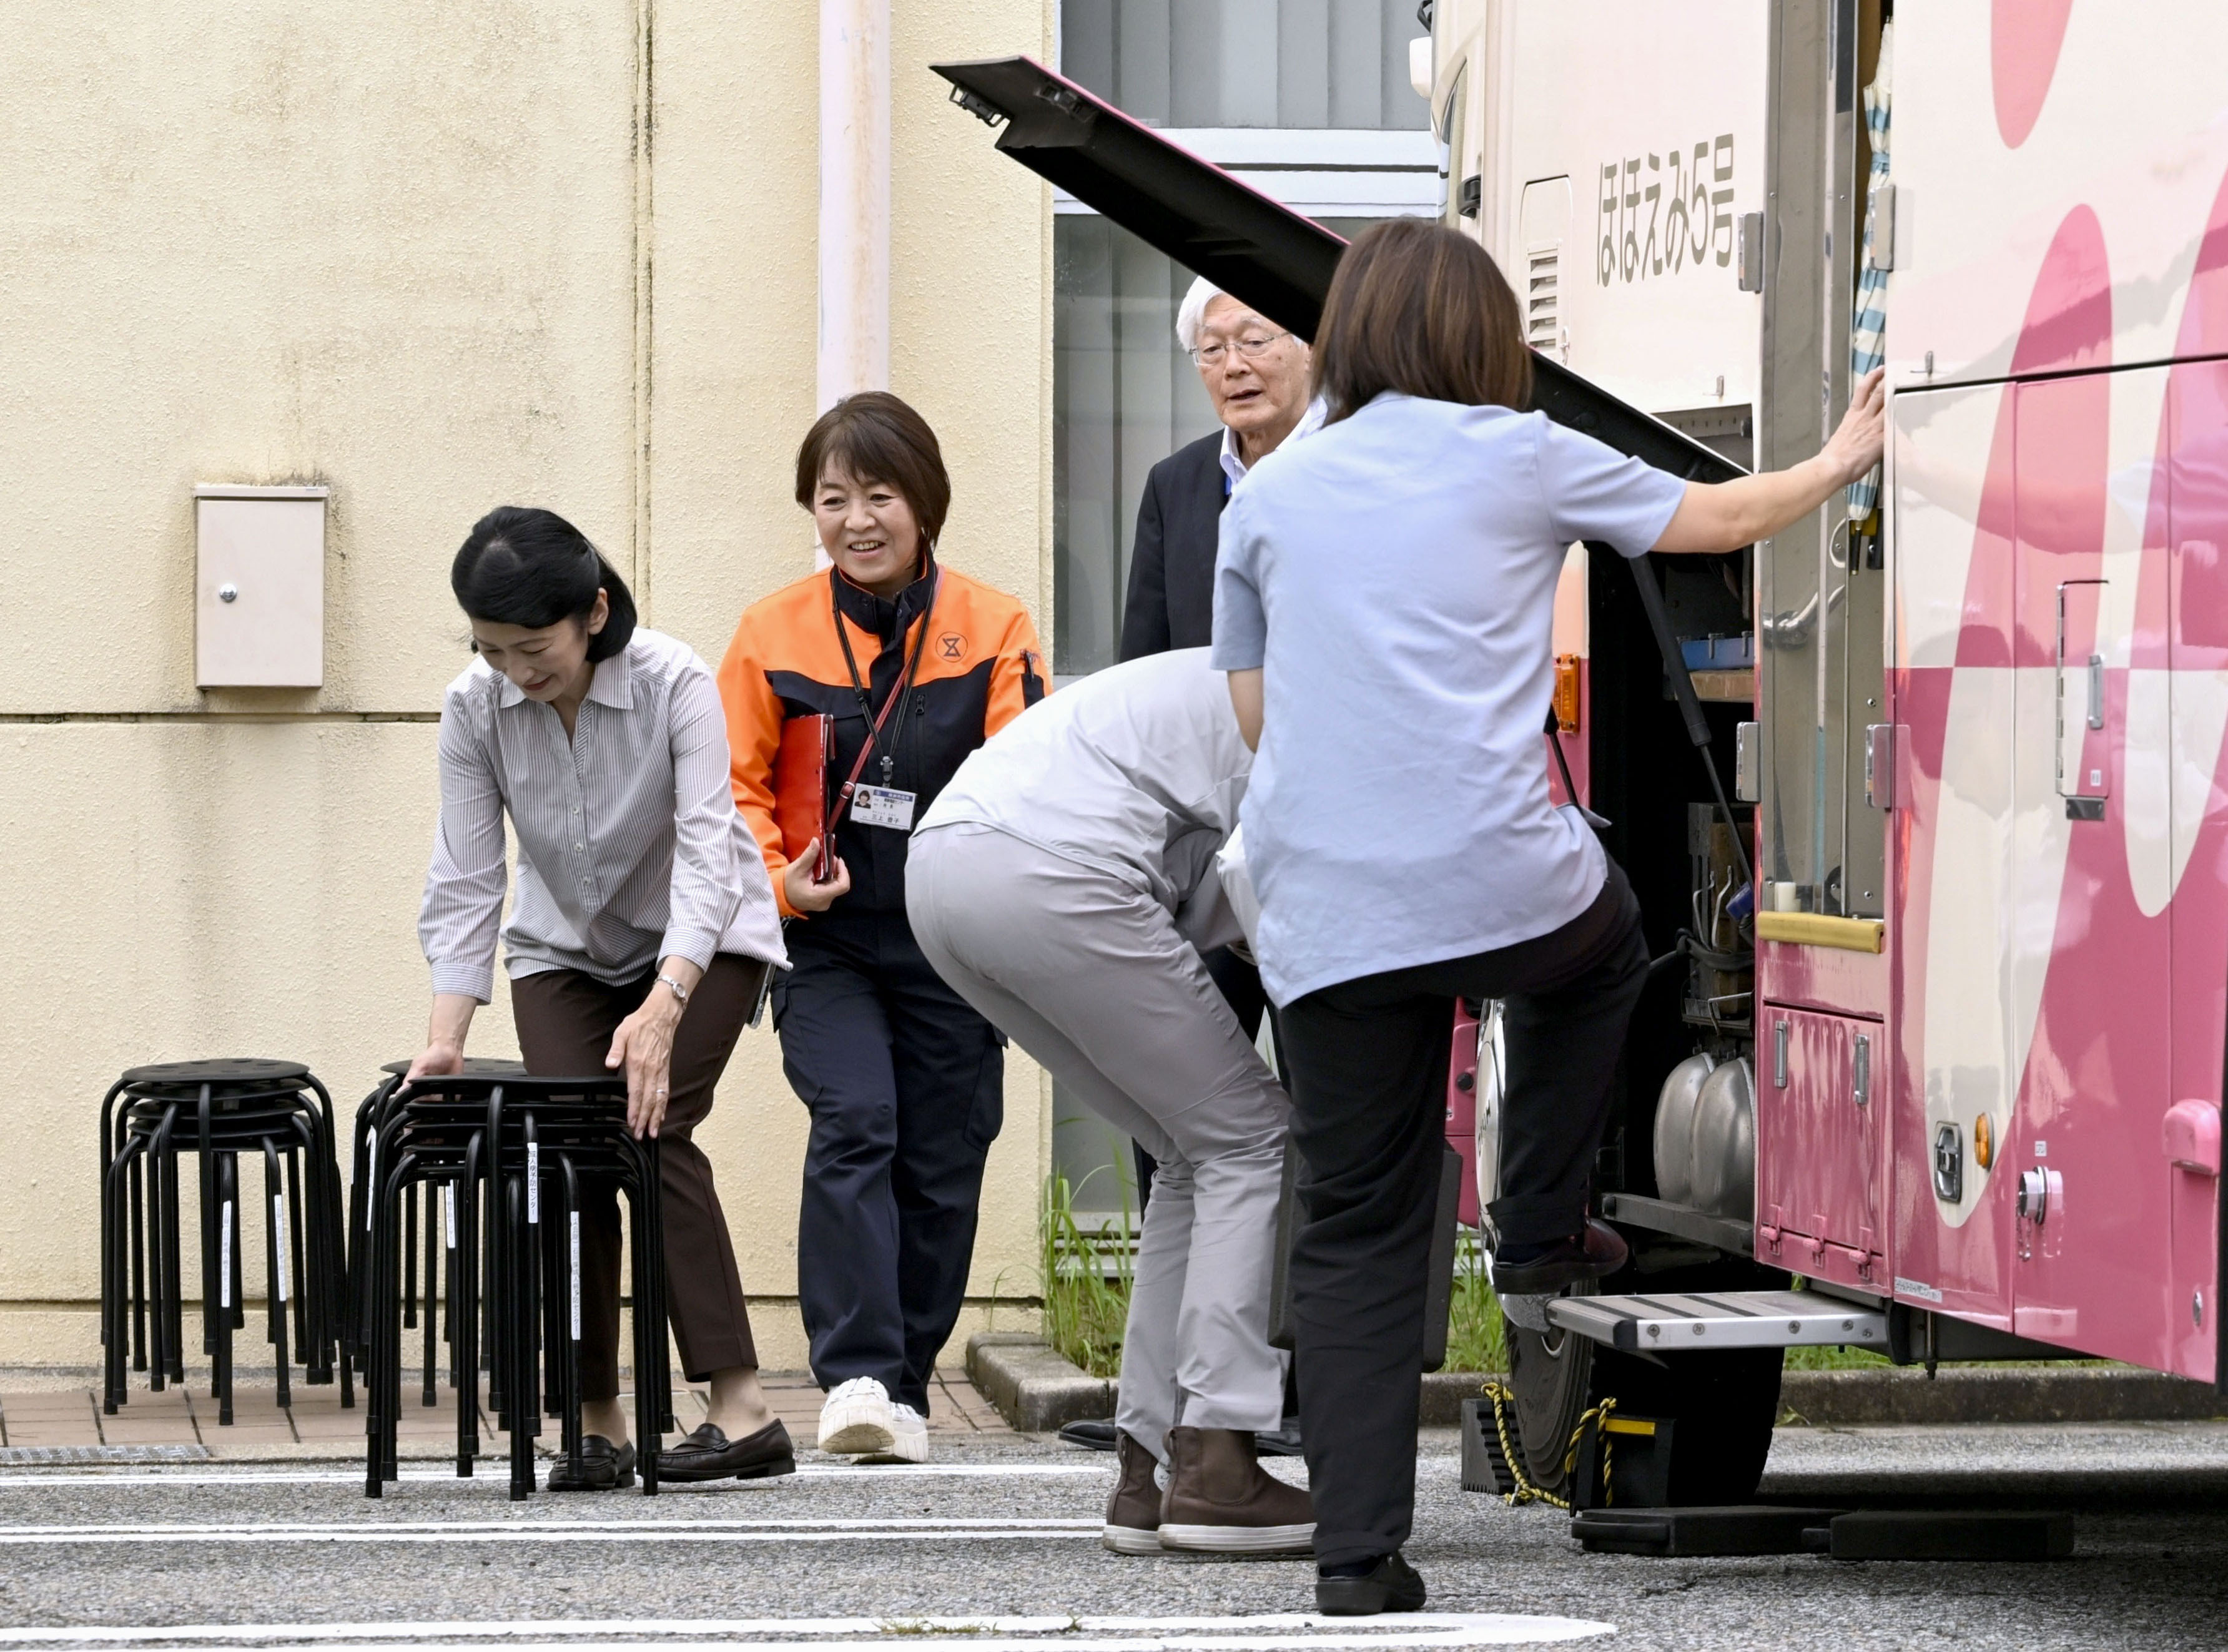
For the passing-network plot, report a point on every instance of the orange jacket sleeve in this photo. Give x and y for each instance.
(1019, 656)
(753, 741)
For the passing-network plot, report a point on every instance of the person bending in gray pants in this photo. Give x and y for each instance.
(1064, 884)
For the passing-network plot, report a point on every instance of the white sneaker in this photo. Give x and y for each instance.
(910, 1429)
(856, 1420)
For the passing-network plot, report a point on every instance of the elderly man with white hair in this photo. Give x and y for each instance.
(1256, 374)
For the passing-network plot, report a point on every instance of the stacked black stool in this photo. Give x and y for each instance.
(513, 1154)
(426, 1304)
(273, 1112)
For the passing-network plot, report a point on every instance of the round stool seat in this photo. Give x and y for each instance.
(476, 1066)
(235, 1071)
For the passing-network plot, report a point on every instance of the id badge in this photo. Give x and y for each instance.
(882, 806)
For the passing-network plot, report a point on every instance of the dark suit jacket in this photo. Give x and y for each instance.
(1171, 600)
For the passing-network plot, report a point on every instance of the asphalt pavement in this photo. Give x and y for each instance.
(994, 1546)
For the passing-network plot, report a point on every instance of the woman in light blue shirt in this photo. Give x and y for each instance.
(1384, 600)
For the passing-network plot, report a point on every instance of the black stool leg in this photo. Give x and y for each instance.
(217, 1324)
(139, 1266)
(276, 1282)
(654, 1248)
(449, 1293)
(238, 1250)
(115, 1292)
(649, 1360)
(390, 1322)
(464, 1311)
(161, 1215)
(306, 1336)
(410, 1259)
(371, 1326)
(569, 1369)
(111, 1274)
(173, 1255)
(205, 1169)
(431, 1395)
(348, 1379)
(518, 1359)
(553, 1309)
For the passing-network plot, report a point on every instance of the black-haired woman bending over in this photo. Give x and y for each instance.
(643, 927)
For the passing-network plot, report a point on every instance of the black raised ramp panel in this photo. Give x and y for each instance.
(1672, 1533)
(1254, 248)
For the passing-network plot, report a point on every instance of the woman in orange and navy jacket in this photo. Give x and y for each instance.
(917, 665)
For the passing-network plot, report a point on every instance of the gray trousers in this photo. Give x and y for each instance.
(1086, 972)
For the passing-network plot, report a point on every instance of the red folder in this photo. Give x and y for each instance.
(800, 784)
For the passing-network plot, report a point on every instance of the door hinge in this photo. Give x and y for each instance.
(1879, 764)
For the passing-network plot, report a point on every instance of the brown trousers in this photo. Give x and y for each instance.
(566, 1021)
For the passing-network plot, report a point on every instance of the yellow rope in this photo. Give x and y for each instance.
(1524, 1491)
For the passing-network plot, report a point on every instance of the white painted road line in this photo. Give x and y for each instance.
(1264, 1633)
(643, 1533)
(497, 1476)
(167, 1529)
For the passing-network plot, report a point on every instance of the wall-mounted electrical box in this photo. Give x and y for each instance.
(259, 587)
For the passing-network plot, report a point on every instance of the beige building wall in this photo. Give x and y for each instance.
(435, 258)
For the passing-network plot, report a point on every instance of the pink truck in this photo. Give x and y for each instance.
(1925, 798)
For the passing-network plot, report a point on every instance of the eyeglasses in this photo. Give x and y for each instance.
(1250, 347)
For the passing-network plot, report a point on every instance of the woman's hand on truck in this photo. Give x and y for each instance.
(1726, 515)
(1855, 448)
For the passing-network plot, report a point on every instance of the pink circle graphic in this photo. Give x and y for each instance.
(2023, 42)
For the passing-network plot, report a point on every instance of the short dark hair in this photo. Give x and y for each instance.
(523, 565)
(1418, 307)
(877, 437)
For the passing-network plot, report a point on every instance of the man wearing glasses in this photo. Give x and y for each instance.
(1256, 374)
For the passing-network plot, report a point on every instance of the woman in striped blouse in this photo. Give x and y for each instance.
(640, 939)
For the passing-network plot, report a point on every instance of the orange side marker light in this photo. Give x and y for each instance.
(1567, 693)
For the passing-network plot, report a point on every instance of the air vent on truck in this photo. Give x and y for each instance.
(1542, 311)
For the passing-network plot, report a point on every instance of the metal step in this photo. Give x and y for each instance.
(1726, 1319)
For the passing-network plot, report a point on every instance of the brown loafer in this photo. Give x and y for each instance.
(601, 1468)
(706, 1453)
(1133, 1512)
(1220, 1501)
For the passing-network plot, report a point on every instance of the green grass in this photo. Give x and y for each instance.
(1084, 1279)
(1086, 1284)
(1476, 1339)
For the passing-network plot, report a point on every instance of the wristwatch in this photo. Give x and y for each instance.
(680, 992)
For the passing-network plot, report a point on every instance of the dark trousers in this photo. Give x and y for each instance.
(1369, 1061)
(906, 1086)
(566, 1021)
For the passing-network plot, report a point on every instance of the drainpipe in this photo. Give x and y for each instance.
(855, 197)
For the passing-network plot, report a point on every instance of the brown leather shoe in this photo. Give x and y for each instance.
(708, 1454)
(1220, 1501)
(1133, 1512)
(602, 1468)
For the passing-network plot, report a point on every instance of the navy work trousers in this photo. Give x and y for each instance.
(905, 1082)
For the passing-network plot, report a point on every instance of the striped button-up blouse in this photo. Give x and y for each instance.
(630, 848)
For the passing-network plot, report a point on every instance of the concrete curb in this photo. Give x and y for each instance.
(1034, 1389)
(1037, 1390)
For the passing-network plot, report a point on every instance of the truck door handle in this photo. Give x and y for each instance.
(2095, 691)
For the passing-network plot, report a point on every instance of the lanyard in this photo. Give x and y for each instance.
(901, 694)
